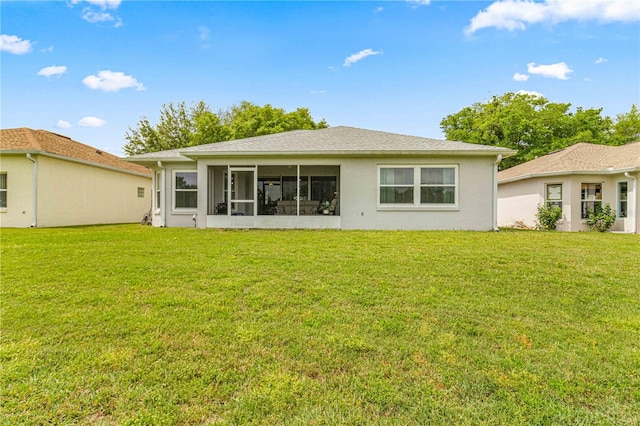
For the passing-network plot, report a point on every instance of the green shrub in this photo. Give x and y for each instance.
(548, 216)
(601, 220)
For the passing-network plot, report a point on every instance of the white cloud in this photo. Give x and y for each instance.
(379, 9)
(514, 15)
(359, 56)
(530, 93)
(96, 11)
(520, 77)
(14, 44)
(103, 4)
(601, 60)
(317, 92)
(61, 124)
(91, 122)
(47, 50)
(559, 70)
(94, 17)
(52, 70)
(109, 81)
(420, 2)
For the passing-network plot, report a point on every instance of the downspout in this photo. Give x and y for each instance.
(163, 195)
(634, 222)
(495, 193)
(34, 217)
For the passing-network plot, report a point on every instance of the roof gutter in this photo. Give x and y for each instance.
(634, 223)
(495, 193)
(34, 216)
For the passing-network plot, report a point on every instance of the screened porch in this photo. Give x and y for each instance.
(271, 196)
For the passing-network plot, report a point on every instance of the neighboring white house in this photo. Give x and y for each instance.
(50, 180)
(339, 177)
(580, 179)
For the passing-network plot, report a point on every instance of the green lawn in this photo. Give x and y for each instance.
(136, 325)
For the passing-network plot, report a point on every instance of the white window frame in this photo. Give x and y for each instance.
(417, 186)
(547, 200)
(158, 191)
(620, 200)
(589, 200)
(5, 190)
(173, 191)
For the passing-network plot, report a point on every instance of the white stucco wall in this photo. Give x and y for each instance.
(359, 209)
(19, 211)
(358, 195)
(518, 201)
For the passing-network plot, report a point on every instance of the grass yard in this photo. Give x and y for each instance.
(136, 325)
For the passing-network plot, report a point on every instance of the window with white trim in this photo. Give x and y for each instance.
(554, 195)
(3, 190)
(590, 199)
(185, 190)
(622, 199)
(158, 189)
(418, 186)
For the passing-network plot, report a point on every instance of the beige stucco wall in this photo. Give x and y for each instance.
(358, 194)
(518, 201)
(19, 211)
(71, 193)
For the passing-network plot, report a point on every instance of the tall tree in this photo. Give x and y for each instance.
(180, 126)
(174, 130)
(627, 127)
(534, 126)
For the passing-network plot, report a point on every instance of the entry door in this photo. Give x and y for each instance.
(242, 188)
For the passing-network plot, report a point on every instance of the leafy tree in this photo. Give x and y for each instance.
(534, 126)
(174, 130)
(627, 127)
(181, 127)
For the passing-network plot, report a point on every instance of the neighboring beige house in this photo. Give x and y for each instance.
(580, 178)
(339, 177)
(50, 180)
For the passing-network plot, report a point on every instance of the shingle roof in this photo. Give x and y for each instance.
(24, 140)
(330, 141)
(578, 158)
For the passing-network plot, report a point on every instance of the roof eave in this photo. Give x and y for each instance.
(571, 172)
(349, 153)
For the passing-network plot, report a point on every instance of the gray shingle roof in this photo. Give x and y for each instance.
(331, 141)
(578, 158)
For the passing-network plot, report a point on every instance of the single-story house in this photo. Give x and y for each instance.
(339, 177)
(580, 179)
(50, 180)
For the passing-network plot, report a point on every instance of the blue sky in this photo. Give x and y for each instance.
(92, 69)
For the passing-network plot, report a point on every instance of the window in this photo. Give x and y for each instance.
(418, 186)
(622, 199)
(158, 189)
(185, 190)
(290, 189)
(323, 188)
(140, 192)
(554, 195)
(591, 199)
(3, 190)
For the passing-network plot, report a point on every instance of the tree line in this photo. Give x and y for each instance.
(535, 126)
(528, 123)
(181, 126)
